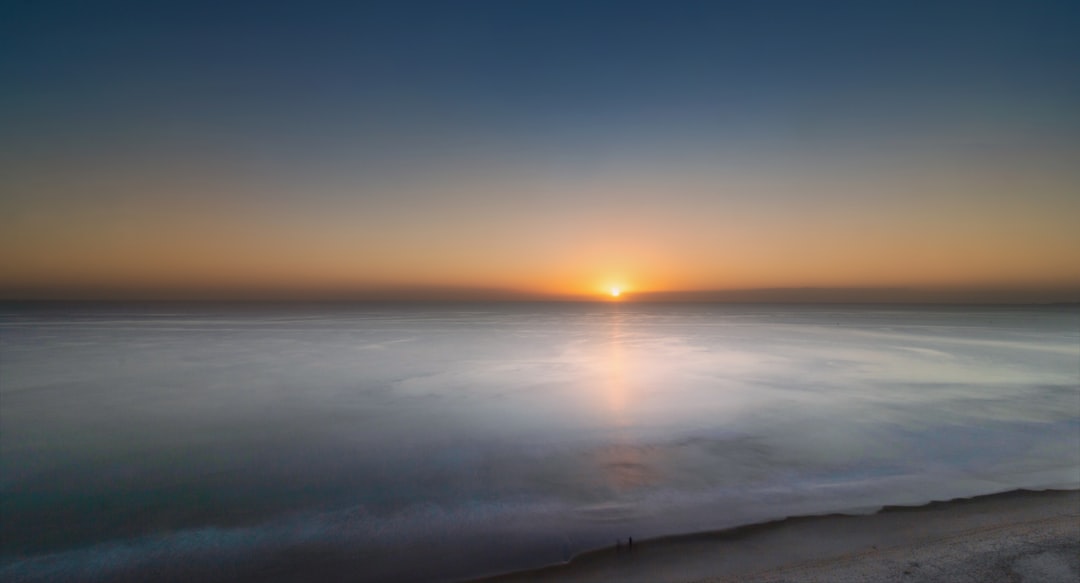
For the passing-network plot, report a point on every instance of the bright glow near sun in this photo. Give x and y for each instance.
(615, 292)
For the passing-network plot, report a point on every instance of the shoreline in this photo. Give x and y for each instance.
(962, 532)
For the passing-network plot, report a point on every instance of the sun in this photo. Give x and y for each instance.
(615, 292)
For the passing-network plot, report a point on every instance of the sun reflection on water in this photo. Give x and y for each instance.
(616, 381)
(622, 462)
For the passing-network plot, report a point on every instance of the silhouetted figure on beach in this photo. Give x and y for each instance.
(630, 544)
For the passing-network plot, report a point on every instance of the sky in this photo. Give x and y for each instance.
(458, 149)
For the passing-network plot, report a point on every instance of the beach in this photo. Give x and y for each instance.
(1012, 536)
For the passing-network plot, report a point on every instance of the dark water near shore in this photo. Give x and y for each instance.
(413, 442)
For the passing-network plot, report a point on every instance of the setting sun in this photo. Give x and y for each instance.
(615, 292)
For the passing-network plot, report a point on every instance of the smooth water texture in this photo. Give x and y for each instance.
(388, 442)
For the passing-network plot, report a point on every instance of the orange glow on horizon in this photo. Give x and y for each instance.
(56, 245)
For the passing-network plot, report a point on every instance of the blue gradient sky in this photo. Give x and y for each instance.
(547, 147)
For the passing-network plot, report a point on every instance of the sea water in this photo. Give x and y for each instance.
(435, 442)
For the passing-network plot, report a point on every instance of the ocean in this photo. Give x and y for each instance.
(414, 442)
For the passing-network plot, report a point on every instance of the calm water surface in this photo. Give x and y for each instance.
(438, 442)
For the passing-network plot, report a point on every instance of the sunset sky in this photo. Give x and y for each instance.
(433, 149)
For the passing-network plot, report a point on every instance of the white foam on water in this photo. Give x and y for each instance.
(174, 442)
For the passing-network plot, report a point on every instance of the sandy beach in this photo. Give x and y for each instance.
(1014, 536)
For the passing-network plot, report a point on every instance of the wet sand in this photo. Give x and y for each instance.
(1014, 536)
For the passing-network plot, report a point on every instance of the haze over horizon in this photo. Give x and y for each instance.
(792, 295)
(438, 150)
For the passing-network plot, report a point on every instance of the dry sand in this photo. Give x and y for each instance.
(1011, 537)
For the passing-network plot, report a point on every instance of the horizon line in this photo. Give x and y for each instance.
(419, 294)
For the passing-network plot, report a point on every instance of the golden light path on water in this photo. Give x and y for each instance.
(625, 464)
